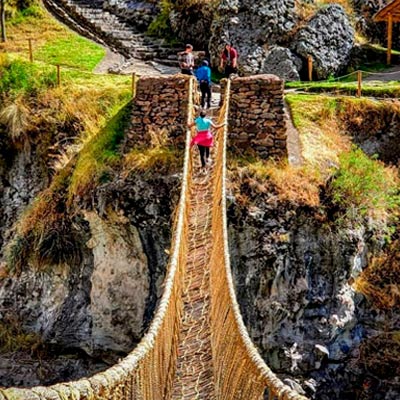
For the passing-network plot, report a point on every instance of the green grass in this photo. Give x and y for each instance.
(72, 51)
(52, 42)
(307, 108)
(369, 88)
(96, 159)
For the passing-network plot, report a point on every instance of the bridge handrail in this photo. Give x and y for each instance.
(147, 372)
(240, 373)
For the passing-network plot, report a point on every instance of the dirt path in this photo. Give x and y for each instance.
(293, 140)
(118, 63)
(390, 74)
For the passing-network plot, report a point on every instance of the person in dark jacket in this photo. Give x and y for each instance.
(203, 75)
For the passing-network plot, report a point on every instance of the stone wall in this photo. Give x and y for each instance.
(160, 108)
(257, 116)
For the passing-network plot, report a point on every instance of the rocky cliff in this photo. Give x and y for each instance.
(294, 270)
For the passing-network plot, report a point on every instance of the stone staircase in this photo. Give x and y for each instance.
(90, 19)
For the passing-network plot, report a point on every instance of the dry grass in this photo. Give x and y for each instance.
(294, 184)
(306, 10)
(380, 355)
(40, 28)
(380, 282)
(160, 156)
(46, 234)
(15, 118)
(14, 338)
(346, 4)
(321, 136)
(322, 142)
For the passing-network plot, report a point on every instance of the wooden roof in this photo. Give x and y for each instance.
(392, 8)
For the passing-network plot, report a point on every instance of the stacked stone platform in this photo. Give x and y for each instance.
(257, 120)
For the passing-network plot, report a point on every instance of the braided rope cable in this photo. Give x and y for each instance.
(240, 372)
(147, 372)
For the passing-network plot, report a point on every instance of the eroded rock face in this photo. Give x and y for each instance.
(23, 175)
(119, 284)
(101, 306)
(293, 279)
(328, 38)
(97, 306)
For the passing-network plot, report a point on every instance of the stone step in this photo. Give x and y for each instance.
(89, 18)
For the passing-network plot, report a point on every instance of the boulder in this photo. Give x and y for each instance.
(282, 62)
(328, 38)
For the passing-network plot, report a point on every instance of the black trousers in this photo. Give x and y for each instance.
(205, 94)
(230, 70)
(204, 154)
(186, 71)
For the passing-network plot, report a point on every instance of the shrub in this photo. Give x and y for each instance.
(47, 233)
(14, 338)
(14, 117)
(161, 25)
(19, 76)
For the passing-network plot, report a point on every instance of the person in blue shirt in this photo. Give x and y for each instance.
(203, 75)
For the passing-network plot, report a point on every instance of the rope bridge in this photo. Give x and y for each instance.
(197, 346)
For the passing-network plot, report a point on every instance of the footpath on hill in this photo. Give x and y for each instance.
(149, 68)
(388, 75)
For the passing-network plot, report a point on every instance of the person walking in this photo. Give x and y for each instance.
(229, 58)
(186, 60)
(204, 138)
(203, 75)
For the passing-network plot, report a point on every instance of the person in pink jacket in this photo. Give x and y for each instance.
(204, 138)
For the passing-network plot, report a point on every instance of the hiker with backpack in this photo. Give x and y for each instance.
(229, 58)
(186, 60)
(203, 75)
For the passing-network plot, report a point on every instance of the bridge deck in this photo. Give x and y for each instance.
(194, 375)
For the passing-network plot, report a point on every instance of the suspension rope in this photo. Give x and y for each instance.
(240, 372)
(147, 373)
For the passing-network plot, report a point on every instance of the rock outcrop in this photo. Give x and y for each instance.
(100, 305)
(293, 275)
(264, 35)
(251, 27)
(329, 39)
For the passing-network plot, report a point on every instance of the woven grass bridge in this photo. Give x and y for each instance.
(197, 346)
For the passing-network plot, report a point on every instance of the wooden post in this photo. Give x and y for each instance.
(310, 67)
(359, 83)
(133, 85)
(3, 20)
(389, 38)
(58, 75)
(271, 395)
(30, 50)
